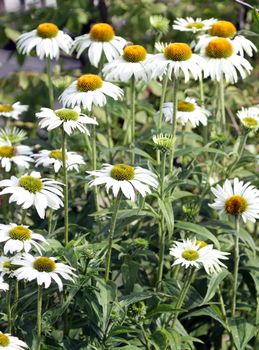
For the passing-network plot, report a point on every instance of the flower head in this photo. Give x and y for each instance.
(31, 190)
(13, 135)
(176, 58)
(249, 117)
(193, 253)
(3, 286)
(12, 111)
(8, 342)
(19, 238)
(43, 269)
(190, 24)
(130, 64)
(159, 23)
(101, 40)
(69, 119)
(47, 39)
(6, 265)
(54, 158)
(12, 154)
(89, 90)
(236, 198)
(124, 178)
(187, 111)
(164, 143)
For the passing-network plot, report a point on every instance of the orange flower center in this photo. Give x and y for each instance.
(102, 32)
(178, 52)
(201, 244)
(224, 29)
(134, 53)
(235, 205)
(47, 30)
(219, 48)
(44, 264)
(184, 106)
(6, 108)
(89, 82)
(4, 340)
(122, 172)
(7, 151)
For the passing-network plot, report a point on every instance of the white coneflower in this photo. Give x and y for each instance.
(31, 190)
(193, 253)
(13, 135)
(18, 238)
(187, 111)
(89, 90)
(47, 39)
(101, 40)
(190, 24)
(54, 158)
(176, 59)
(124, 178)
(11, 154)
(227, 30)
(43, 269)
(238, 199)
(249, 117)
(69, 119)
(8, 342)
(12, 111)
(130, 64)
(3, 286)
(223, 61)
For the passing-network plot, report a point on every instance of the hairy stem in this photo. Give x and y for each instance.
(65, 181)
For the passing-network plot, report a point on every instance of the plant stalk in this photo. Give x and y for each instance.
(133, 116)
(50, 85)
(65, 180)
(39, 313)
(173, 132)
(236, 265)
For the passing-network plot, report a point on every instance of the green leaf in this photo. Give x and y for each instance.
(242, 332)
(134, 298)
(201, 231)
(11, 33)
(214, 282)
(167, 210)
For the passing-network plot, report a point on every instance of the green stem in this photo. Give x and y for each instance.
(205, 128)
(186, 285)
(236, 265)
(111, 234)
(64, 150)
(222, 105)
(242, 143)
(147, 343)
(223, 309)
(173, 132)
(50, 85)
(162, 100)
(39, 312)
(109, 131)
(162, 230)
(8, 308)
(132, 116)
(94, 164)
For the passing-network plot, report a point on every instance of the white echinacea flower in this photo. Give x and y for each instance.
(8, 342)
(101, 40)
(54, 158)
(176, 59)
(89, 90)
(12, 111)
(222, 61)
(13, 135)
(249, 117)
(238, 199)
(43, 269)
(47, 39)
(194, 253)
(130, 64)
(227, 30)
(19, 238)
(11, 154)
(190, 24)
(124, 178)
(69, 119)
(32, 190)
(3, 285)
(187, 111)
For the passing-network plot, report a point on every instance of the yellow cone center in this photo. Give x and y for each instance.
(219, 48)
(7, 151)
(5, 108)
(47, 30)
(31, 184)
(20, 233)
(201, 244)
(102, 32)
(56, 154)
(122, 172)
(4, 340)
(223, 29)
(184, 106)
(89, 82)
(249, 122)
(178, 52)
(196, 25)
(190, 254)
(235, 205)
(44, 264)
(134, 53)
